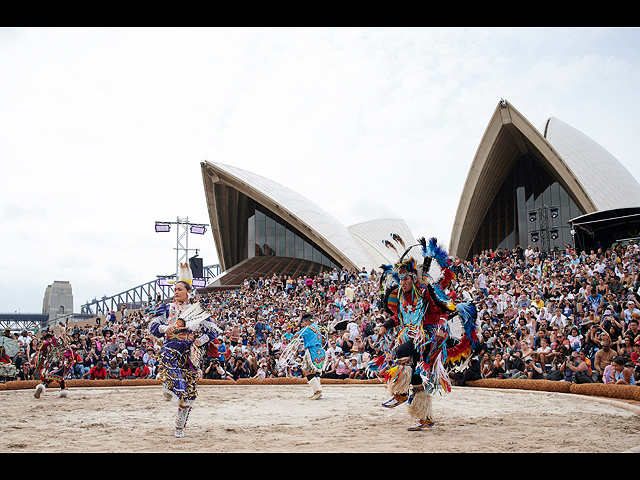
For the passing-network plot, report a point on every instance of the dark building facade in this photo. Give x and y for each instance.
(270, 235)
(530, 208)
(525, 186)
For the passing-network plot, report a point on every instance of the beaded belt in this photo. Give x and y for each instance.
(182, 335)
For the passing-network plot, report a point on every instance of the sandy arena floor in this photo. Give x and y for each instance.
(283, 419)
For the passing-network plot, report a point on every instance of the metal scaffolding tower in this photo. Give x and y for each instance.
(182, 236)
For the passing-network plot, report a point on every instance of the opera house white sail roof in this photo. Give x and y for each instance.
(354, 247)
(593, 178)
(605, 179)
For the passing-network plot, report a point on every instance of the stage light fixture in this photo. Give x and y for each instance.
(532, 216)
(553, 233)
(553, 212)
(535, 236)
(198, 229)
(163, 227)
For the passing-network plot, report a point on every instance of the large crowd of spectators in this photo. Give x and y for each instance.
(566, 316)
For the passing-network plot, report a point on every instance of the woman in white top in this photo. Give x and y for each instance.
(575, 339)
(543, 350)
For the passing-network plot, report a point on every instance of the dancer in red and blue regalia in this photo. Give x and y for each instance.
(431, 331)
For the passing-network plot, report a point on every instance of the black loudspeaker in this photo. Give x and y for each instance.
(195, 264)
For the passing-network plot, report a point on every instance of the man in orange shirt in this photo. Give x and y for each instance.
(585, 359)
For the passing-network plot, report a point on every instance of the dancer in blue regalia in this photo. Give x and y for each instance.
(314, 355)
(309, 337)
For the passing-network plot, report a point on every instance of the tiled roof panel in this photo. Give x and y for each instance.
(606, 180)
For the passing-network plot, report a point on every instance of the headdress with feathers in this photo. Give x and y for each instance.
(398, 239)
(184, 275)
(435, 272)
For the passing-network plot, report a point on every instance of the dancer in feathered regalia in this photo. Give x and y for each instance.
(311, 339)
(54, 361)
(432, 332)
(185, 327)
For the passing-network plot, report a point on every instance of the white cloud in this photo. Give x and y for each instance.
(102, 130)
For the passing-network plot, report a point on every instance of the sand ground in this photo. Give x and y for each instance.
(278, 418)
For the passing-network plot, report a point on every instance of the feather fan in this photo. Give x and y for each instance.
(194, 315)
(463, 327)
(433, 250)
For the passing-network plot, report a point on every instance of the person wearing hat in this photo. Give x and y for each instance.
(466, 296)
(533, 367)
(314, 357)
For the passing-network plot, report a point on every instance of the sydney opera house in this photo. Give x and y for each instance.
(544, 187)
(261, 227)
(535, 187)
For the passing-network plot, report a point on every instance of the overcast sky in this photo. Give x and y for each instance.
(102, 131)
